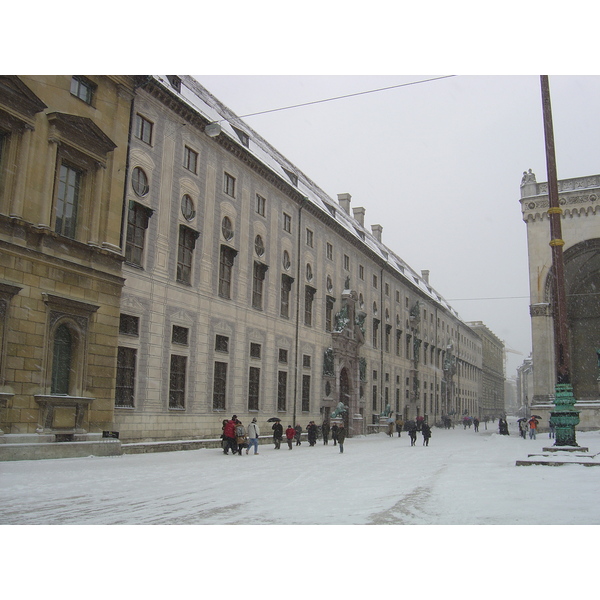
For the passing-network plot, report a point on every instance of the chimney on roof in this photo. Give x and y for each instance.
(359, 215)
(425, 276)
(377, 229)
(344, 200)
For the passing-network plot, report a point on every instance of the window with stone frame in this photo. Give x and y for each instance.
(138, 217)
(261, 204)
(305, 393)
(83, 88)
(309, 295)
(129, 325)
(226, 262)
(253, 388)
(329, 303)
(143, 129)
(220, 386)
(286, 287)
(177, 375)
(229, 184)
(68, 199)
(190, 159)
(185, 253)
(126, 368)
(282, 390)
(258, 279)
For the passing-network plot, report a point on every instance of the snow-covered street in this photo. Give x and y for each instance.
(463, 478)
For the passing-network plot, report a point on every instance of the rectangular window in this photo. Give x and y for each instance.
(137, 223)
(305, 393)
(309, 238)
(375, 281)
(143, 129)
(258, 285)
(329, 313)
(220, 386)
(306, 361)
(225, 271)
(180, 335)
(255, 350)
(187, 243)
(283, 356)
(361, 272)
(346, 262)
(286, 286)
(281, 390)
(125, 389)
(253, 388)
(261, 204)
(287, 223)
(177, 381)
(376, 333)
(190, 160)
(82, 88)
(67, 200)
(229, 185)
(222, 344)
(375, 398)
(129, 325)
(329, 251)
(309, 294)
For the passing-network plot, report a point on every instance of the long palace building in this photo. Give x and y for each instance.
(162, 267)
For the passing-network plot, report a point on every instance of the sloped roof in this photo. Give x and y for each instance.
(212, 109)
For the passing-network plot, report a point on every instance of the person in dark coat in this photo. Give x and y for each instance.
(426, 432)
(298, 435)
(229, 436)
(412, 433)
(311, 429)
(334, 433)
(277, 434)
(341, 436)
(325, 432)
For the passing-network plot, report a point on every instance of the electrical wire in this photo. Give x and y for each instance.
(391, 87)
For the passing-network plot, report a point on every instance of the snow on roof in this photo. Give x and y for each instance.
(199, 99)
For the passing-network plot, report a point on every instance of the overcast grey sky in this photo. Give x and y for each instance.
(438, 165)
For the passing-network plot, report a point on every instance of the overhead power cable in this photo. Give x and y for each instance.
(391, 87)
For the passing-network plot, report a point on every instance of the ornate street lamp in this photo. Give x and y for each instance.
(564, 417)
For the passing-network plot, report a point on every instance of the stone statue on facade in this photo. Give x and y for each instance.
(340, 409)
(528, 177)
(328, 362)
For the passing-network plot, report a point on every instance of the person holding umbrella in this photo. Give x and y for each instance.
(277, 433)
(533, 423)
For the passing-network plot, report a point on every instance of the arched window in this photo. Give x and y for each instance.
(61, 360)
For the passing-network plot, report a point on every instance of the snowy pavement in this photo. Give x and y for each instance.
(462, 478)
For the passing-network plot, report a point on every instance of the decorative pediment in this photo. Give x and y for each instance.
(82, 132)
(20, 100)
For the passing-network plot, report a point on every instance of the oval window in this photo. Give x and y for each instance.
(139, 181)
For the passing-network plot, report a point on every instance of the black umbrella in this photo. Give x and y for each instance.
(536, 416)
(273, 419)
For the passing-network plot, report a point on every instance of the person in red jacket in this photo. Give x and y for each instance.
(290, 433)
(229, 436)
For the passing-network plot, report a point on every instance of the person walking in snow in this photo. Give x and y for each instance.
(229, 436)
(334, 433)
(523, 428)
(399, 425)
(533, 423)
(341, 437)
(476, 424)
(412, 434)
(240, 437)
(298, 435)
(426, 431)
(311, 428)
(290, 433)
(253, 433)
(277, 434)
(325, 432)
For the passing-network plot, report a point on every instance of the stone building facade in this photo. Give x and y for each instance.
(580, 222)
(248, 290)
(492, 398)
(63, 150)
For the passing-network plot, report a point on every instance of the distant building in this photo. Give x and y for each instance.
(491, 398)
(525, 387)
(579, 201)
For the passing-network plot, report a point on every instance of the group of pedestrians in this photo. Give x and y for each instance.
(338, 434)
(236, 438)
(425, 430)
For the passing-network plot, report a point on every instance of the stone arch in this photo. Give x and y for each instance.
(582, 287)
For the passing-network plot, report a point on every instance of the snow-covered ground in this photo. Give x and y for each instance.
(461, 478)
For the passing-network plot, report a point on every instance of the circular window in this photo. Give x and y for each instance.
(329, 284)
(227, 228)
(139, 181)
(187, 207)
(286, 260)
(309, 272)
(259, 245)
